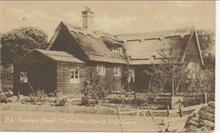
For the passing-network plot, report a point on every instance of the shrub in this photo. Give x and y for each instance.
(3, 98)
(6, 80)
(61, 102)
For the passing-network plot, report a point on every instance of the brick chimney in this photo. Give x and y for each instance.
(87, 19)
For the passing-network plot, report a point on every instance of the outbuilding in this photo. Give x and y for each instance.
(48, 71)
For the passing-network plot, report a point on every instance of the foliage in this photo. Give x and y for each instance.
(206, 78)
(100, 88)
(177, 74)
(168, 74)
(3, 98)
(207, 42)
(19, 42)
(6, 79)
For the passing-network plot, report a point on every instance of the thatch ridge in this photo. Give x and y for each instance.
(155, 34)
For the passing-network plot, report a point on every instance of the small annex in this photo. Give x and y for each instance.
(46, 70)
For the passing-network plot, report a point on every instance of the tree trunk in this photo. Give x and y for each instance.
(173, 84)
(161, 89)
(173, 88)
(177, 87)
(149, 86)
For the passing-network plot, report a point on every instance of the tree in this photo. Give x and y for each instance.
(207, 41)
(174, 74)
(170, 74)
(14, 45)
(19, 42)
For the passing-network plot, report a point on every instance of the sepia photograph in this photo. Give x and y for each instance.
(107, 66)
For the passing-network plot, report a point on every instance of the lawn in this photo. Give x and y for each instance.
(45, 117)
(58, 121)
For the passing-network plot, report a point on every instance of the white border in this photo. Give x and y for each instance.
(217, 76)
(217, 66)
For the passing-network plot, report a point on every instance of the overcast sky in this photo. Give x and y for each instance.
(111, 17)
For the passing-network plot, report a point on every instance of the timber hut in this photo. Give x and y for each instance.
(48, 71)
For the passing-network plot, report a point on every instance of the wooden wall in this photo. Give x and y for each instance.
(64, 85)
(65, 42)
(192, 53)
(141, 80)
(109, 74)
(41, 76)
(64, 71)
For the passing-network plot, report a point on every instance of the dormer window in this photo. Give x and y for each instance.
(116, 48)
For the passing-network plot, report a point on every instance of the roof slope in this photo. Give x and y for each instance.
(93, 45)
(153, 35)
(59, 56)
(140, 48)
(152, 48)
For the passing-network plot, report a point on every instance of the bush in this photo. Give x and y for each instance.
(12, 99)
(195, 100)
(61, 102)
(3, 98)
(6, 80)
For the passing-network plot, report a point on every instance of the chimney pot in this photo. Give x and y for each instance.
(87, 18)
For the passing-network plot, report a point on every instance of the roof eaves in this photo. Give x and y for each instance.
(69, 58)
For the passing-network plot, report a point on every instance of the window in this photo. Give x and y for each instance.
(74, 75)
(23, 77)
(131, 75)
(117, 71)
(116, 48)
(100, 69)
(194, 66)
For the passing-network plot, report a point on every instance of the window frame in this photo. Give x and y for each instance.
(100, 69)
(116, 48)
(118, 70)
(73, 75)
(23, 78)
(131, 75)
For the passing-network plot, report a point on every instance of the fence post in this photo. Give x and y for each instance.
(118, 113)
(135, 98)
(205, 97)
(18, 97)
(168, 110)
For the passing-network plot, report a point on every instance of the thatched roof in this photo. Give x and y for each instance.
(93, 45)
(59, 56)
(153, 48)
(154, 35)
(140, 48)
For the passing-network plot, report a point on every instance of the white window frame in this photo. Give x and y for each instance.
(117, 71)
(23, 77)
(100, 68)
(131, 74)
(74, 75)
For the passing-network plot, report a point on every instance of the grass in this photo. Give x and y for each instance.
(50, 108)
(95, 109)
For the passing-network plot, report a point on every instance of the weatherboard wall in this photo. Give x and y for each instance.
(64, 85)
(41, 76)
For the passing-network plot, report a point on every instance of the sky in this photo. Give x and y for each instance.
(111, 17)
